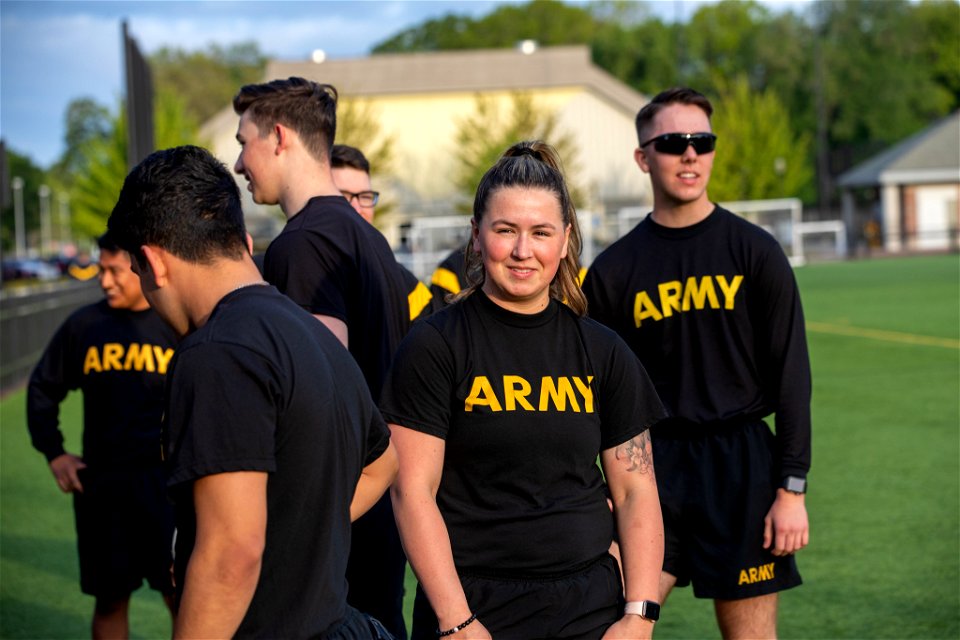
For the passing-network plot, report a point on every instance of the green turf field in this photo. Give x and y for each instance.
(884, 502)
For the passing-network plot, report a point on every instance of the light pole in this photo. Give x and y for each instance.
(20, 244)
(45, 227)
(64, 201)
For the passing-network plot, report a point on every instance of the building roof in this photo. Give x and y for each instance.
(928, 156)
(464, 71)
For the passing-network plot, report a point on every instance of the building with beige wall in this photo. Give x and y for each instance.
(907, 198)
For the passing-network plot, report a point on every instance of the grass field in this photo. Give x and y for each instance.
(884, 501)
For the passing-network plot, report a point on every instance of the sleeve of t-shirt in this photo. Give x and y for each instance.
(780, 314)
(378, 438)
(419, 388)
(628, 402)
(311, 270)
(53, 377)
(222, 412)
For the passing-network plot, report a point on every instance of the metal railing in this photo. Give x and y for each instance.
(29, 316)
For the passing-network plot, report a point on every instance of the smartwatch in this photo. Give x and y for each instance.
(795, 484)
(646, 609)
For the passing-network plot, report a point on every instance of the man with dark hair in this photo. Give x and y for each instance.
(272, 439)
(709, 303)
(331, 263)
(116, 352)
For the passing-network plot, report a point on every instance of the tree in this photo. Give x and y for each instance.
(94, 190)
(546, 21)
(484, 135)
(759, 155)
(86, 120)
(879, 86)
(938, 40)
(207, 80)
(358, 125)
(884, 69)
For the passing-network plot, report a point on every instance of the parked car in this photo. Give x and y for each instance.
(28, 269)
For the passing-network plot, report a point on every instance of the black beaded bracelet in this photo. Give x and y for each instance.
(459, 627)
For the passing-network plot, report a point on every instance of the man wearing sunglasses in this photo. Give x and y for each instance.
(709, 303)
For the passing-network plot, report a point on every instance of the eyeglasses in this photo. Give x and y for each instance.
(675, 144)
(365, 198)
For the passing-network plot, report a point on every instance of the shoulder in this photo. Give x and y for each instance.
(597, 337)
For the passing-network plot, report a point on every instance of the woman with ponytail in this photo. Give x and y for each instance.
(499, 406)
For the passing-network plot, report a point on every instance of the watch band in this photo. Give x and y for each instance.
(646, 609)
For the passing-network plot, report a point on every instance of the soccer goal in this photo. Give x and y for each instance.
(780, 217)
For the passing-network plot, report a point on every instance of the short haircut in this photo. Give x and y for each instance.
(677, 95)
(184, 201)
(307, 107)
(345, 156)
(108, 242)
(531, 165)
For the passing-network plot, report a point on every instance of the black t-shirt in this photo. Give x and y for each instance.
(263, 386)
(119, 359)
(331, 262)
(448, 278)
(525, 404)
(713, 312)
(418, 295)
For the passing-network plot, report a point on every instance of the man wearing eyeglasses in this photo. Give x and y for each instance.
(709, 303)
(326, 259)
(351, 175)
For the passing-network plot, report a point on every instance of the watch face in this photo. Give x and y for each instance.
(651, 610)
(794, 484)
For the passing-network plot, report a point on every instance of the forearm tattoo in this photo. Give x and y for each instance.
(636, 453)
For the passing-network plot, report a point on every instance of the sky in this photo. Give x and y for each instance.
(54, 52)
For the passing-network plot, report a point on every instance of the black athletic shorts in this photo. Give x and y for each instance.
(358, 626)
(124, 531)
(581, 604)
(716, 486)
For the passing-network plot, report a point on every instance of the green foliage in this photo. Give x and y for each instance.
(94, 190)
(207, 80)
(358, 125)
(888, 68)
(879, 86)
(758, 154)
(938, 40)
(492, 128)
(546, 21)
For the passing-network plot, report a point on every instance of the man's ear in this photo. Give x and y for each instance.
(283, 137)
(155, 270)
(640, 157)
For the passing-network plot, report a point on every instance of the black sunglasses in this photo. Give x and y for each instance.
(675, 144)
